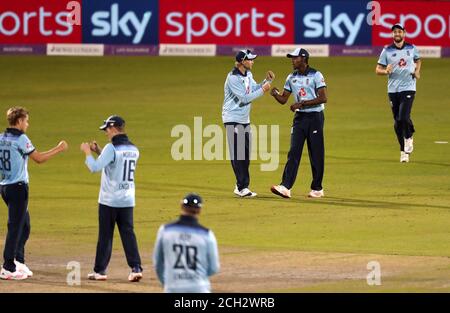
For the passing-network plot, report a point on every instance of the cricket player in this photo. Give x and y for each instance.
(15, 148)
(401, 63)
(240, 90)
(186, 253)
(310, 93)
(117, 161)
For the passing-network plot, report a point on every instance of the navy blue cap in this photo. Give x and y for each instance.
(398, 26)
(243, 55)
(299, 52)
(113, 120)
(192, 200)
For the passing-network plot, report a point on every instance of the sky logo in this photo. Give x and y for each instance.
(120, 22)
(333, 22)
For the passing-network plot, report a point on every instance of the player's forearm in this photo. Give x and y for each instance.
(316, 101)
(41, 157)
(214, 268)
(159, 269)
(418, 65)
(92, 164)
(281, 98)
(266, 80)
(97, 150)
(381, 71)
(247, 98)
(160, 277)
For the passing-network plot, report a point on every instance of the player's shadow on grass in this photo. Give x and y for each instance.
(56, 281)
(355, 203)
(384, 160)
(205, 188)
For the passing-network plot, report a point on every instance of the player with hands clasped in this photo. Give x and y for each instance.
(117, 162)
(309, 89)
(239, 91)
(15, 149)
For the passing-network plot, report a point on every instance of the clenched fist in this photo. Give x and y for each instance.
(85, 147)
(95, 147)
(62, 145)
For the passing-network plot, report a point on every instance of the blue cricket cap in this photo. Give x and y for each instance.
(398, 26)
(113, 120)
(192, 200)
(243, 55)
(299, 52)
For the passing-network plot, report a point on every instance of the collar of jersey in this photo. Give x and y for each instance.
(236, 71)
(120, 139)
(189, 219)
(14, 131)
(297, 73)
(397, 48)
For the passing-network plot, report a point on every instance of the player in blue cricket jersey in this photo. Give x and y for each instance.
(15, 149)
(401, 62)
(185, 252)
(309, 90)
(240, 90)
(117, 162)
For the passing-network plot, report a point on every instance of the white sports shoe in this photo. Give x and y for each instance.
(23, 268)
(244, 192)
(404, 157)
(135, 276)
(17, 275)
(409, 145)
(97, 276)
(281, 191)
(316, 194)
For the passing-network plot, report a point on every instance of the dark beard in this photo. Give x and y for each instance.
(398, 40)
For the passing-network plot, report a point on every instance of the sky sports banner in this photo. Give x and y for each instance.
(38, 22)
(348, 23)
(426, 22)
(120, 21)
(252, 22)
(332, 22)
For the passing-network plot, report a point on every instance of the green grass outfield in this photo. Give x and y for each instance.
(373, 204)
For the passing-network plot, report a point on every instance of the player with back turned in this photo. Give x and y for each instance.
(186, 253)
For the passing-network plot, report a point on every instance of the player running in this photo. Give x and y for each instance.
(401, 62)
